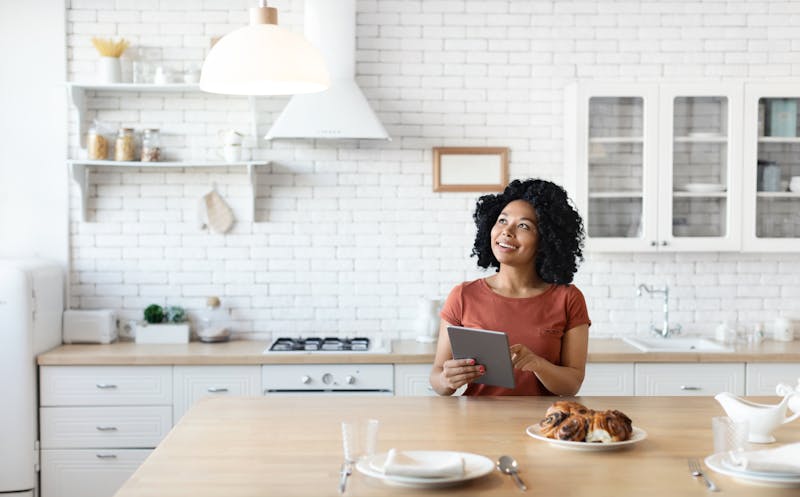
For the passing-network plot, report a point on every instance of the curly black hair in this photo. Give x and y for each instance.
(559, 228)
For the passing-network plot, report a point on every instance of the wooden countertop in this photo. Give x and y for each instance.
(403, 352)
(291, 446)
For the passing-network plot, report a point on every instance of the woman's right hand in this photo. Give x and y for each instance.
(458, 372)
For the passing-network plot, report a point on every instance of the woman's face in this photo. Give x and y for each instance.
(514, 234)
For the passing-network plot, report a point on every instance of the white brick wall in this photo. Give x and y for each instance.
(347, 235)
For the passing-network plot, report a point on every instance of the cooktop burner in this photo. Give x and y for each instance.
(334, 344)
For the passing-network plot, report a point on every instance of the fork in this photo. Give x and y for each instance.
(694, 469)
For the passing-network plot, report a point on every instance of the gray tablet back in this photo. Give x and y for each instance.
(489, 348)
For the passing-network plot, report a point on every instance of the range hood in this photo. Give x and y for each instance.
(341, 111)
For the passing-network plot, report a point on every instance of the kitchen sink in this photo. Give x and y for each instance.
(677, 344)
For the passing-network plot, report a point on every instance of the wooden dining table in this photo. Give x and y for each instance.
(292, 446)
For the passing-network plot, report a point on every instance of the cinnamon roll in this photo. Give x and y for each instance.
(574, 428)
(549, 425)
(609, 426)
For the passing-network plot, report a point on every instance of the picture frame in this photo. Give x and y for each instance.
(470, 169)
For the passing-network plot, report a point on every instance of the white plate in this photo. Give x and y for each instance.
(717, 463)
(637, 436)
(475, 466)
(704, 187)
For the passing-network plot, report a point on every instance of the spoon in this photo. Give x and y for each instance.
(508, 465)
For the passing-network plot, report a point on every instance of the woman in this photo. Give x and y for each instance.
(532, 236)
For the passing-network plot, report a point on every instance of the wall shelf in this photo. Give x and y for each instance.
(79, 172)
(77, 94)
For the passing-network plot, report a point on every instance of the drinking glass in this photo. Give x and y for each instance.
(359, 439)
(730, 436)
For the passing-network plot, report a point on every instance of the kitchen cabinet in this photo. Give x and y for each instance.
(608, 379)
(97, 423)
(656, 167)
(771, 212)
(689, 378)
(191, 383)
(763, 377)
(412, 380)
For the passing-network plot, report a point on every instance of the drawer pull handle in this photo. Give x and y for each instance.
(106, 456)
(106, 386)
(106, 428)
(688, 387)
(217, 389)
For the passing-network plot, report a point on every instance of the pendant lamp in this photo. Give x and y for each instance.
(263, 59)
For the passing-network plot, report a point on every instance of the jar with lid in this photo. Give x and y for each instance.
(213, 324)
(125, 145)
(96, 144)
(151, 143)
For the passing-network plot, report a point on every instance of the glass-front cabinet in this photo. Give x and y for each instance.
(654, 167)
(771, 156)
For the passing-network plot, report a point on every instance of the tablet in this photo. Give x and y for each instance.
(489, 348)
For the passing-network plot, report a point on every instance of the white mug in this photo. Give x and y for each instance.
(794, 184)
(782, 330)
(232, 153)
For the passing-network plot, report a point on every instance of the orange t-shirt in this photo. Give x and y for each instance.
(537, 322)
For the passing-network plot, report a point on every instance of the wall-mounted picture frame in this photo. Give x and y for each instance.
(470, 169)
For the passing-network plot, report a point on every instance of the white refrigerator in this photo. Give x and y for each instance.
(31, 305)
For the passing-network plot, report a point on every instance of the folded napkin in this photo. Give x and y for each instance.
(785, 459)
(422, 464)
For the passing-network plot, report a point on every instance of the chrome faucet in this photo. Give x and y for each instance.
(666, 331)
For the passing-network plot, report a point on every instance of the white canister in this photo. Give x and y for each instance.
(109, 70)
(782, 329)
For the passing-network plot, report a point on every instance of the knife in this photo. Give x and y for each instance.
(345, 472)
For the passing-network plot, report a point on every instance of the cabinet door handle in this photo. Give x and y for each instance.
(689, 387)
(106, 456)
(106, 428)
(106, 386)
(217, 389)
(664, 243)
(653, 243)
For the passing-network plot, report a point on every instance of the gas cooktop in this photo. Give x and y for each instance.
(317, 344)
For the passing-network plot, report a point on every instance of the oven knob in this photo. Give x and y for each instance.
(349, 379)
(327, 378)
(305, 379)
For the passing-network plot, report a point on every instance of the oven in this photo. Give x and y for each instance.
(327, 376)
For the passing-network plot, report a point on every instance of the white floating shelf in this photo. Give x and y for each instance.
(617, 139)
(615, 195)
(79, 171)
(77, 94)
(700, 194)
(778, 194)
(778, 139)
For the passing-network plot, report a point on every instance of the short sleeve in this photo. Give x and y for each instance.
(577, 314)
(452, 310)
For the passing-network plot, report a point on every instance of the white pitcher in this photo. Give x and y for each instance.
(762, 418)
(427, 319)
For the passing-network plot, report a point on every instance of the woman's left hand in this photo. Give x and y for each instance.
(522, 358)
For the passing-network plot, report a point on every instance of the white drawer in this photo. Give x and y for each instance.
(88, 473)
(102, 427)
(762, 377)
(105, 385)
(413, 380)
(689, 378)
(191, 383)
(613, 378)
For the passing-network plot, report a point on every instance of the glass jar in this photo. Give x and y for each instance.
(125, 145)
(151, 142)
(96, 145)
(213, 324)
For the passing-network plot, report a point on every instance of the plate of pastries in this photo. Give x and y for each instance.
(572, 425)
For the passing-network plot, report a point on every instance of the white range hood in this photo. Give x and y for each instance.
(341, 111)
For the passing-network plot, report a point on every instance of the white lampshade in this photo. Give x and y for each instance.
(264, 59)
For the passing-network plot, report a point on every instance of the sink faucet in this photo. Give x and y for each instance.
(666, 330)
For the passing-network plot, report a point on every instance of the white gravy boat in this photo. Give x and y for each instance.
(762, 419)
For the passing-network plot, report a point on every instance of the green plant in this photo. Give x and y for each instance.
(154, 314)
(175, 314)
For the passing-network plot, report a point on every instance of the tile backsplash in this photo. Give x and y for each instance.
(346, 236)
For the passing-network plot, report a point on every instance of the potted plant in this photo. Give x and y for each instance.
(163, 325)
